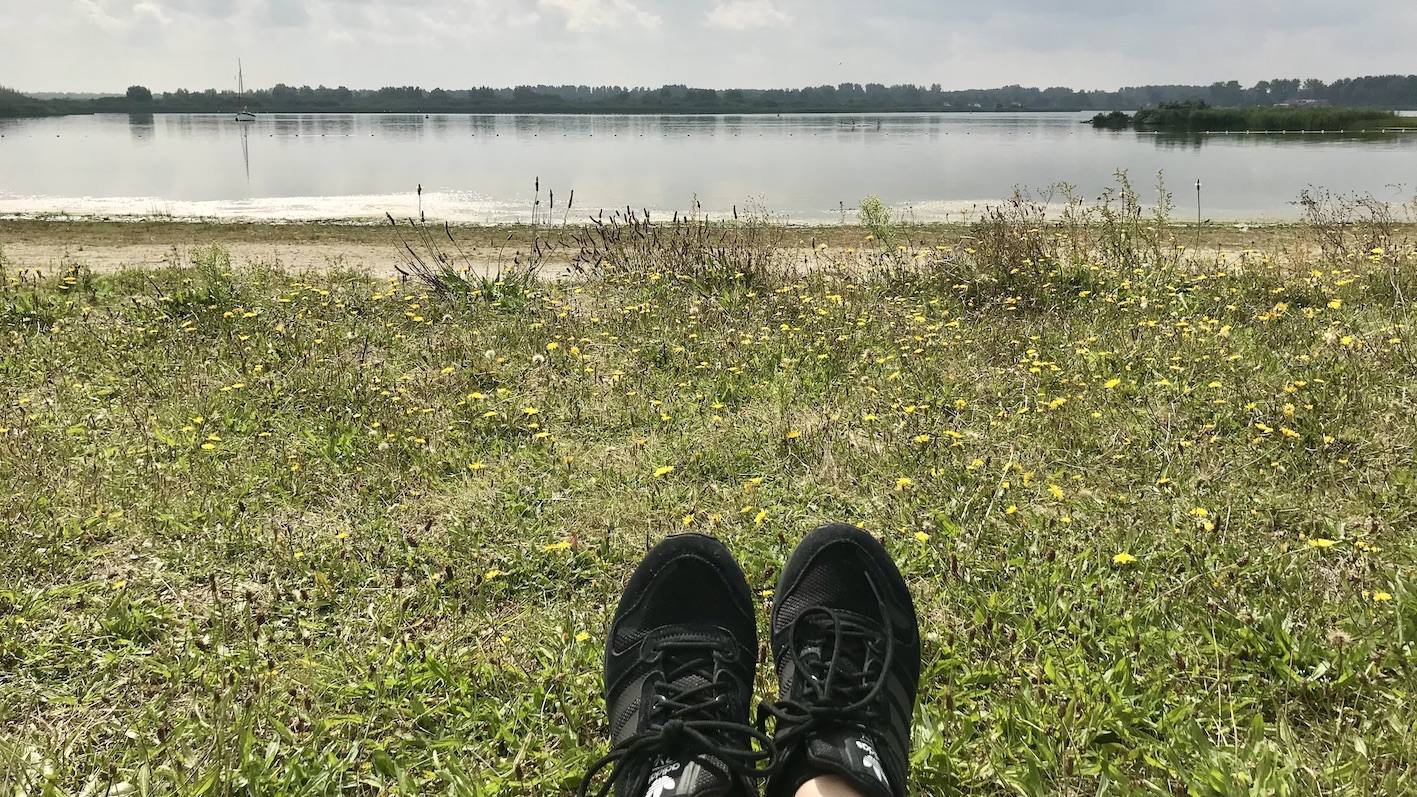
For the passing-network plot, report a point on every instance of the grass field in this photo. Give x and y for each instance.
(269, 533)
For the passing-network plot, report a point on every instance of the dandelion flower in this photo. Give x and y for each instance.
(794, 434)
(1320, 542)
(582, 636)
(663, 471)
(1382, 596)
(903, 483)
(762, 515)
(1056, 491)
(557, 546)
(1123, 558)
(1111, 383)
(491, 574)
(922, 536)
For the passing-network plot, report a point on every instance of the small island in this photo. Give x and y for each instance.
(1196, 116)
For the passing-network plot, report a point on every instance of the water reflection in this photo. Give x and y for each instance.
(805, 167)
(246, 151)
(142, 127)
(1195, 141)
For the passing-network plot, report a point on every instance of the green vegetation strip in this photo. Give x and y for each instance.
(1199, 117)
(312, 534)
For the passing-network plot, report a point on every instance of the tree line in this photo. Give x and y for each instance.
(1379, 91)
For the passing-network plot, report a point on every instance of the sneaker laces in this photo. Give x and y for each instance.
(839, 665)
(688, 712)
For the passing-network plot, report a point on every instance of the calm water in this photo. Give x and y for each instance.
(806, 168)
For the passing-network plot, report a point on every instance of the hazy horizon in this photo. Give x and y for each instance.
(103, 46)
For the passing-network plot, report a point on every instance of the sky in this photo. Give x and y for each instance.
(107, 45)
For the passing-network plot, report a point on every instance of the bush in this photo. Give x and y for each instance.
(876, 217)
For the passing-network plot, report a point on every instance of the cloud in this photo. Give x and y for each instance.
(286, 13)
(590, 15)
(746, 15)
(87, 45)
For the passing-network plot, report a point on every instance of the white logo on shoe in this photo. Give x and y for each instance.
(870, 761)
(659, 781)
(658, 787)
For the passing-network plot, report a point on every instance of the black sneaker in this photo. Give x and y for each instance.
(679, 662)
(847, 647)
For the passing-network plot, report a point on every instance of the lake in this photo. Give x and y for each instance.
(805, 168)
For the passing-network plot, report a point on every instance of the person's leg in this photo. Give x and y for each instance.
(847, 647)
(679, 663)
(828, 786)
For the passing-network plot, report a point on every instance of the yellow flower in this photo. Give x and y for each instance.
(1013, 509)
(491, 574)
(762, 515)
(476, 466)
(530, 411)
(922, 536)
(1382, 596)
(1335, 304)
(903, 483)
(922, 438)
(1320, 542)
(553, 346)
(1111, 383)
(689, 519)
(661, 472)
(582, 636)
(793, 435)
(1123, 558)
(1056, 491)
(557, 546)
(1200, 511)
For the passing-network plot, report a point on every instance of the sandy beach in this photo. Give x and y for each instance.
(105, 245)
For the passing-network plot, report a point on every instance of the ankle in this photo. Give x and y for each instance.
(827, 786)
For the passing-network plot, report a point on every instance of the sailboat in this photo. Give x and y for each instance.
(242, 115)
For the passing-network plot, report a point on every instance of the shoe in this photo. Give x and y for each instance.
(679, 662)
(847, 647)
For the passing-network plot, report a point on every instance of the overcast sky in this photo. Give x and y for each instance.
(107, 45)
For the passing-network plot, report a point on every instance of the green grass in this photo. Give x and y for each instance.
(312, 534)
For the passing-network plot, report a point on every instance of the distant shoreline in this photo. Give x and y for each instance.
(1369, 91)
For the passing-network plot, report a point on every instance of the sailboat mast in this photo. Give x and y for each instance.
(240, 82)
